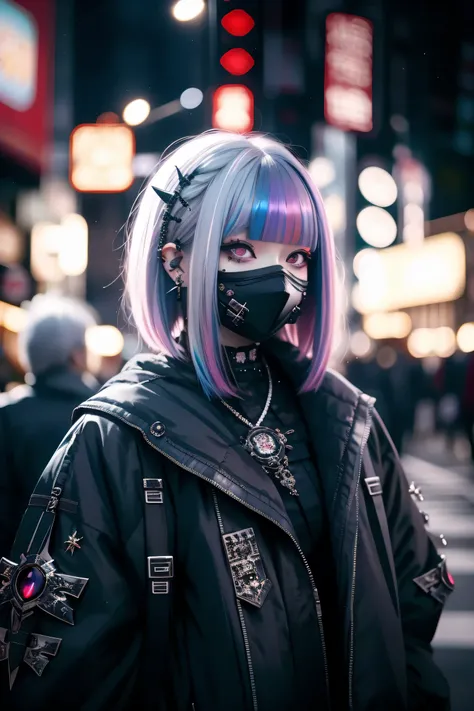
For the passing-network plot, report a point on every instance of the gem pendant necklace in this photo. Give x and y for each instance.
(268, 447)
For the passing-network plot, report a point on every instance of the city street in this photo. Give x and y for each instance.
(186, 187)
(449, 500)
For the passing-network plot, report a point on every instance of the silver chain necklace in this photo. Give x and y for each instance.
(268, 446)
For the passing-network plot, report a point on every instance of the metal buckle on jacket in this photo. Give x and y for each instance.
(152, 493)
(246, 566)
(373, 485)
(160, 570)
(54, 499)
(438, 582)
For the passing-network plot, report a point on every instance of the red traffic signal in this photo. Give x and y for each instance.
(238, 23)
(237, 61)
(233, 108)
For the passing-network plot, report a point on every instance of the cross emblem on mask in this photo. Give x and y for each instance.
(237, 311)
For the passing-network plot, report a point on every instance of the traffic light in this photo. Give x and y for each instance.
(237, 66)
(233, 108)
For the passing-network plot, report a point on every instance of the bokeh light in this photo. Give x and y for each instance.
(136, 112)
(186, 10)
(421, 342)
(469, 220)
(322, 171)
(376, 227)
(365, 261)
(360, 344)
(424, 342)
(388, 325)
(465, 338)
(378, 186)
(191, 98)
(335, 212)
(73, 250)
(105, 341)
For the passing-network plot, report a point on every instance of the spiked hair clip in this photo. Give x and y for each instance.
(170, 199)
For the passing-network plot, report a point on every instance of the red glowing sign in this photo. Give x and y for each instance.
(238, 23)
(348, 72)
(233, 108)
(237, 61)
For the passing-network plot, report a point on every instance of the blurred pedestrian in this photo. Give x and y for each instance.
(34, 417)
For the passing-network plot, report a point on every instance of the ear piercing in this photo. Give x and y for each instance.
(174, 264)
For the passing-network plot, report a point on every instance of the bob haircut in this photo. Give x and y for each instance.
(243, 183)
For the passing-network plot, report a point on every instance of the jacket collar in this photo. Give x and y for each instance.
(153, 389)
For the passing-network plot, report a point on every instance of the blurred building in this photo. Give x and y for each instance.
(392, 89)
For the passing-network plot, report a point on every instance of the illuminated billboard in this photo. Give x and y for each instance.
(348, 72)
(26, 64)
(18, 56)
(405, 276)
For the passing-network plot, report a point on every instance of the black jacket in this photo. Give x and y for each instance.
(33, 421)
(205, 641)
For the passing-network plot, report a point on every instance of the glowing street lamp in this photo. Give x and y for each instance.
(186, 10)
(136, 112)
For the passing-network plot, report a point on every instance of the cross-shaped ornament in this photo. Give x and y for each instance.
(34, 582)
(237, 311)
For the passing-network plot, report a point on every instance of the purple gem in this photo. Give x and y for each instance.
(30, 582)
(229, 292)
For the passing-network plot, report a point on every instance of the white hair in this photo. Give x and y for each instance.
(55, 328)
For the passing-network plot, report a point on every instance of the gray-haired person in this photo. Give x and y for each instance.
(34, 417)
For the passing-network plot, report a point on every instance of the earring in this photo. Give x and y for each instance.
(179, 283)
(177, 286)
(174, 264)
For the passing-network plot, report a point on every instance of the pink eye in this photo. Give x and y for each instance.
(240, 251)
(298, 259)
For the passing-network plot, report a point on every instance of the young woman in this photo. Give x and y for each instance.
(227, 526)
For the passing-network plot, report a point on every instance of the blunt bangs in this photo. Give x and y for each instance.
(274, 205)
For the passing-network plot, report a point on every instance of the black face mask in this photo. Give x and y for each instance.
(253, 303)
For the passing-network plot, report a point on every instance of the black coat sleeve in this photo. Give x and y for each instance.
(414, 555)
(98, 660)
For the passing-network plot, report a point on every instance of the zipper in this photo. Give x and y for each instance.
(252, 508)
(242, 619)
(365, 438)
(353, 587)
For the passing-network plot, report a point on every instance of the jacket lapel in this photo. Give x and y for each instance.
(190, 426)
